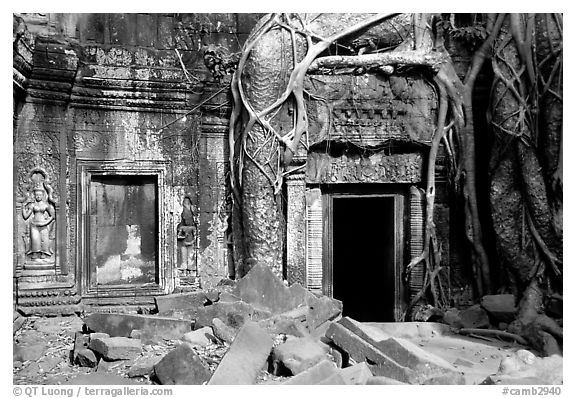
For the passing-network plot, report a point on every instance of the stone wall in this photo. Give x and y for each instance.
(110, 89)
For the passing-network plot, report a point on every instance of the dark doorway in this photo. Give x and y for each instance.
(364, 245)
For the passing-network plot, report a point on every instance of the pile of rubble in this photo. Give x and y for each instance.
(259, 331)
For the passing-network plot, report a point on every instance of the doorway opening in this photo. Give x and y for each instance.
(123, 230)
(366, 240)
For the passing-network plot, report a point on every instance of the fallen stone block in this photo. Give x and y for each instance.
(314, 375)
(223, 332)
(116, 348)
(188, 301)
(297, 355)
(86, 358)
(99, 379)
(182, 366)
(47, 363)
(357, 374)
(396, 357)
(81, 341)
(264, 290)
(362, 350)
(322, 309)
(199, 338)
(122, 325)
(246, 356)
(233, 314)
(500, 306)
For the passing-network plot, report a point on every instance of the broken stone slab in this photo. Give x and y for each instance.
(245, 358)
(409, 330)
(199, 338)
(357, 374)
(227, 297)
(122, 325)
(404, 352)
(264, 290)
(223, 332)
(85, 358)
(182, 366)
(100, 379)
(500, 306)
(451, 379)
(188, 301)
(233, 314)
(314, 375)
(360, 349)
(322, 309)
(116, 348)
(297, 355)
(335, 379)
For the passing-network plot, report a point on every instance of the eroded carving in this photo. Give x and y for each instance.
(186, 235)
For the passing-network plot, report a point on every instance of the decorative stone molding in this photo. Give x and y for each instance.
(377, 168)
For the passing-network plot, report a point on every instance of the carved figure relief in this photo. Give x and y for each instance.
(39, 211)
(186, 235)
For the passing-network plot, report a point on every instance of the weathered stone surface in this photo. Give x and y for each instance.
(233, 314)
(30, 352)
(199, 338)
(143, 366)
(246, 356)
(523, 364)
(357, 374)
(263, 289)
(121, 325)
(285, 325)
(297, 355)
(99, 379)
(188, 301)
(227, 297)
(382, 380)
(314, 375)
(511, 380)
(105, 366)
(116, 348)
(85, 357)
(182, 366)
(222, 331)
(501, 306)
(322, 309)
(451, 379)
(474, 317)
(99, 335)
(335, 379)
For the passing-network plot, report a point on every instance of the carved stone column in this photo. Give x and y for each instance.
(295, 229)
